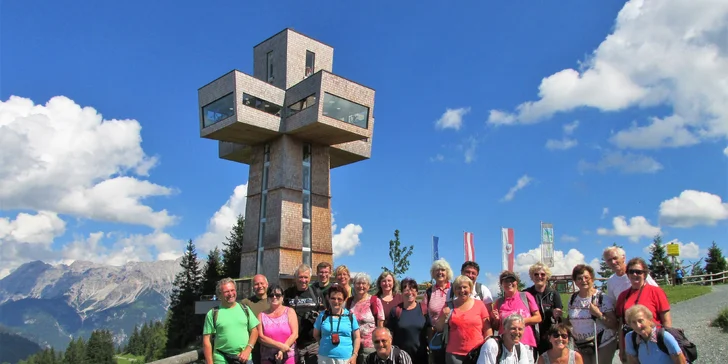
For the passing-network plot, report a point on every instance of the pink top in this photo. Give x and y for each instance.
(466, 328)
(278, 329)
(367, 323)
(513, 305)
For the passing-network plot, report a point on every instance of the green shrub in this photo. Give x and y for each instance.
(722, 320)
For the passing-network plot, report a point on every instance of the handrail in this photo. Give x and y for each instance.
(184, 358)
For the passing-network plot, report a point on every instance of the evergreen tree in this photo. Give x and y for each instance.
(155, 347)
(100, 348)
(659, 264)
(75, 352)
(399, 256)
(135, 346)
(183, 325)
(233, 250)
(212, 272)
(715, 263)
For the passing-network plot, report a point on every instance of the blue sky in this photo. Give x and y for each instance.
(613, 117)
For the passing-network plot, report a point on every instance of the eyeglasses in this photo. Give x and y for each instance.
(509, 280)
(557, 335)
(276, 295)
(379, 342)
(636, 271)
(583, 278)
(539, 274)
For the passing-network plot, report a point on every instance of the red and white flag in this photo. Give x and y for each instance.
(469, 247)
(509, 246)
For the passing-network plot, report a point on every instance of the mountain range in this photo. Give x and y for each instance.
(50, 304)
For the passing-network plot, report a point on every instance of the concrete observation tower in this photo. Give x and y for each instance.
(291, 121)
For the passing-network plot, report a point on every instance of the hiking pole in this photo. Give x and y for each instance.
(596, 344)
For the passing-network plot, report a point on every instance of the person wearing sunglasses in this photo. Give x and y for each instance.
(279, 330)
(558, 336)
(522, 303)
(337, 330)
(549, 305)
(616, 259)
(640, 292)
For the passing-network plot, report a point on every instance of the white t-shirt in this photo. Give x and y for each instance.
(582, 322)
(616, 285)
(489, 353)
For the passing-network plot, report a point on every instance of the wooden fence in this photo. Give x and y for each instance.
(721, 277)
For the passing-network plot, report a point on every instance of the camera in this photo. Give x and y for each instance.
(311, 316)
(335, 338)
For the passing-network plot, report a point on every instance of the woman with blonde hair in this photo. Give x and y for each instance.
(343, 276)
(549, 305)
(467, 321)
(435, 298)
(642, 343)
(388, 292)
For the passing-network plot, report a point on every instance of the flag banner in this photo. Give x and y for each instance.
(508, 248)
(435, 248)
(469, 247)
(547, 244)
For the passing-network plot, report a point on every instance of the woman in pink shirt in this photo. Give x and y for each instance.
(468, 322)
(279, 330)
(518, 302)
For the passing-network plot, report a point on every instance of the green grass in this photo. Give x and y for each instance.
(129, 359)
(722, 320)
(674, 294)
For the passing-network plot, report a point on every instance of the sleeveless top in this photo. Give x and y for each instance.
(278, 329)
(572, 357)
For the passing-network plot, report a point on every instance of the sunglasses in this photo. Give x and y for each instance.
(276, 295)
(509, 280)
(636, 271)
(557, 335)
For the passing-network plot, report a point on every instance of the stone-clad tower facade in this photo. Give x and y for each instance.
(291, 122)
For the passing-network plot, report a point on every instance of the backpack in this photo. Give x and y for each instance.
(474, 353)
(688, 348)
(214, 318)
(478, 291)
(372, 305)
(524, 299)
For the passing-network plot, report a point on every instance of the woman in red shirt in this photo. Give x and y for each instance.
(468, 322)
(652, 297)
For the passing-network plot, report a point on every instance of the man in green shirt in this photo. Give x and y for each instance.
(258, 302)
(235, 328)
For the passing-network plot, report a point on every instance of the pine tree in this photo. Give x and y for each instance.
(399, 256)
(715, 263)
(233, 250)
(100, 348)
(183, 325)
(76, 352)
(157, 343)
(212, 272)
(659, 264)
(135, 345)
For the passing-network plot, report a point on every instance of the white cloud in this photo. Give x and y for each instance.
(437, 158)
(623, 162)
(660, 52)
(452, 118)
(220, 224)
(636, 228)
(725, 151)
(470, 147)
(569, 239)
(693, 208)
(346, 240)
(687, 251)
(67, 159)
(520, 184)
(40, 228)
(563, 144)
(563, 263)
(605, 212)
(571, 127)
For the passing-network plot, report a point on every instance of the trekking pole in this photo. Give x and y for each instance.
(596, 344)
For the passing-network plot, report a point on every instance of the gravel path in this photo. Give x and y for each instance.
(694, 316)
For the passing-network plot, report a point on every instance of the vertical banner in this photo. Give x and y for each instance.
(435, 248)
(547, 244)
(507, 237)
(469, 246)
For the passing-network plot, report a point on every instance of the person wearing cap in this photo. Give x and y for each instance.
(522, 303)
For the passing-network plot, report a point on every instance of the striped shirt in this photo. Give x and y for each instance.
(396, 356)
(437, 301)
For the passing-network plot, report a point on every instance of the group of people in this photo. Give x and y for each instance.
(335, 320)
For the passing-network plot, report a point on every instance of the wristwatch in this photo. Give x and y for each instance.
(249, 346)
